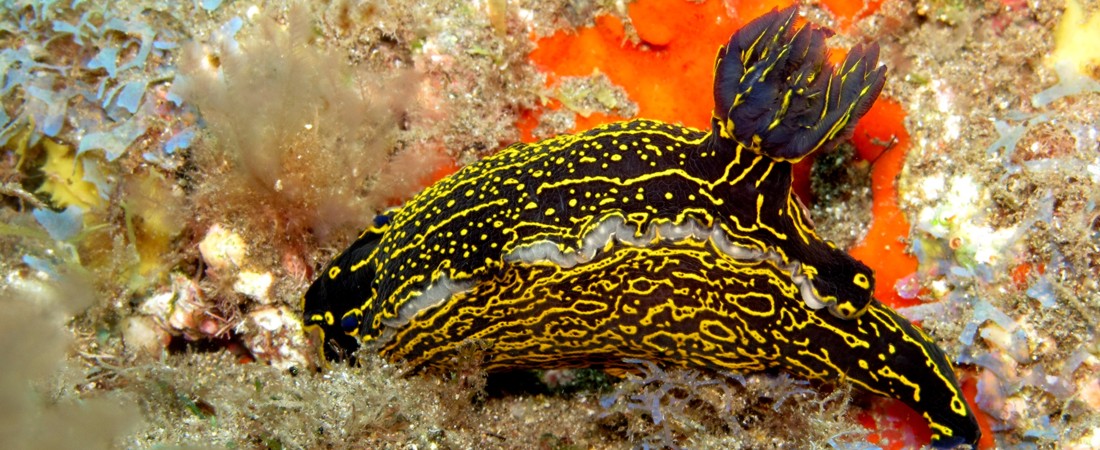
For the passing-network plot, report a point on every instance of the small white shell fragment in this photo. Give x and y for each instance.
(159, 305)
(274, 334)
(186, 313)
(180, 310)
(222, 248)
(143, 336)
(270, 319)
(939, 288)
(255, 285)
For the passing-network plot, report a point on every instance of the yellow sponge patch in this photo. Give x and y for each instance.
(1075, 40)
(64, 181)
(155, 207)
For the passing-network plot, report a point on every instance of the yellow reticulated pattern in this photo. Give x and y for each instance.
(650, 240)
(687, 304)
(557, 192)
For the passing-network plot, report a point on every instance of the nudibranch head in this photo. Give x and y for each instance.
(333, 305)
(322, 314)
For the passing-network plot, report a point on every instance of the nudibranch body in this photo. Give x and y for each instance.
(644, 239)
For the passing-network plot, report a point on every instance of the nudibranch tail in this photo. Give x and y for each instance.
(775, 93)
(917, 372)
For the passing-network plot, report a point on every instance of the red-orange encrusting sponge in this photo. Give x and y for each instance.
(670, 74)
(883, 249)
(881, 137)
(847, 12)
(896, 426)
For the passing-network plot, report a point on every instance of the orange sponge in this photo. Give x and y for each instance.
(884, 248)
(669, 73)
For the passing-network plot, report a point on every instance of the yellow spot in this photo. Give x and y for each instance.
(957, 405)
(861, 281)
(333, 272)
(550, 211)
(668, 196)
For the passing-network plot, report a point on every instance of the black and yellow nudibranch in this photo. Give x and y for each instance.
(650, 240)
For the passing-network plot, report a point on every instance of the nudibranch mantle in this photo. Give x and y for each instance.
(649, 240)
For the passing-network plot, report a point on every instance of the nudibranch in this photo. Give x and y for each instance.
(649, 240)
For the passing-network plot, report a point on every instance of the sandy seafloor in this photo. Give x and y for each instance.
(174, 176)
